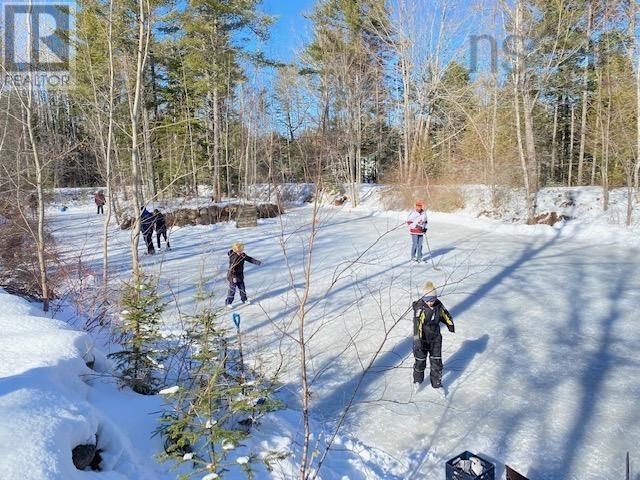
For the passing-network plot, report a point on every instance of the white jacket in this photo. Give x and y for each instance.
(417, 222)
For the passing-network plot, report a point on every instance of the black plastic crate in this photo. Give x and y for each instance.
(455, 473)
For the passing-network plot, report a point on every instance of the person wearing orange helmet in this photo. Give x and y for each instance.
(417, 222)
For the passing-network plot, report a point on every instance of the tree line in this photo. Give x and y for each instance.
(391, 90)
(167, 97)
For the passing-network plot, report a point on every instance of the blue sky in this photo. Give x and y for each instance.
(291, 30)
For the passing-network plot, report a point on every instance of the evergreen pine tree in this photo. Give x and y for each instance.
(139, 360)
(213, 411)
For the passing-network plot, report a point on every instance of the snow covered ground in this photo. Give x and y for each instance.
(543, 372)
(51, 402)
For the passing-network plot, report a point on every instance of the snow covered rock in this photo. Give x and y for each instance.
(48, 420)
(550, 218)
(83, 456)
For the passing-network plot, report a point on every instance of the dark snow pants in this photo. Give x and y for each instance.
(430, 344)
(162, 233)
(148, 239)
(100, 209)
(232, 291)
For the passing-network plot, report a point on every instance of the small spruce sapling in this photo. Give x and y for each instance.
(209, 416)
(140, 358)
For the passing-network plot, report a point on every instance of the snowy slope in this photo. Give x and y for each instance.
(542, 373)
(51, 401)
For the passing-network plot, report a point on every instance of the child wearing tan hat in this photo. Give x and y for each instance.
(428, 313)
(235, 274)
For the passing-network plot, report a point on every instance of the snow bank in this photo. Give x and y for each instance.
(45, 407)
(287, 193)
(589, 222)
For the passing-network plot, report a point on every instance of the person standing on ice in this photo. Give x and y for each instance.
(428, 313)
(235, 274)
(417, 222)
(160, 225)
(100, 200)
(146, 228)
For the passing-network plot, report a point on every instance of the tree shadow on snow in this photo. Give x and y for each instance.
(596, 365)
(393, 358)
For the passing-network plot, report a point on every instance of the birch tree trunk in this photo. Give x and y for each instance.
(217, 193)
(492, 154)
(110, 193)
(517, 86)
(634, 8)
(148, 154)
(554, 142)
(135, 147)
(571, 138)
(40, 237)
(585, 97)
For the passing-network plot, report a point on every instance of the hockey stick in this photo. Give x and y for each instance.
(437, 269)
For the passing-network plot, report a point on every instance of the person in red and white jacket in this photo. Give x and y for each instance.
(417, 222)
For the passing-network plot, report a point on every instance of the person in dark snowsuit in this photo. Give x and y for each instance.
(146, 228)
(32, 201)
(161, 227)
(235, 274)
(100, 200)
(428, 313)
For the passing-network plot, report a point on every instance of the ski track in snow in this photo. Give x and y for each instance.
(543, 372)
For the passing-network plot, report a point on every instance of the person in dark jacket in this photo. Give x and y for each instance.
(146, 228)
(428, 313)
(235, 274)
(161, 227)
(32, 201)
(100, 200)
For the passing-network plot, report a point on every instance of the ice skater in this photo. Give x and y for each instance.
(146, 228)
(160, 225)
(100, 200)
(417, 222)
(235, 275)
(428, 313)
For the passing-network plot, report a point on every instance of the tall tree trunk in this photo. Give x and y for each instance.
(148, 154)
(606, 131)
(110, 193)
(554, 142)
(135, 147)
(571, 141)
(492, 149)
(585, 97)
(636, 175)
(532, 159)
(188, 118)
(517, 86)
(406, 137)
(39, 167)
(217, 191)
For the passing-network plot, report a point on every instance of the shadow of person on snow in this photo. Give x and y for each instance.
(437, 253)
(457, 363)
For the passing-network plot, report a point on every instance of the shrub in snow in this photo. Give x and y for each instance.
(209, 416)
(139, 359)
